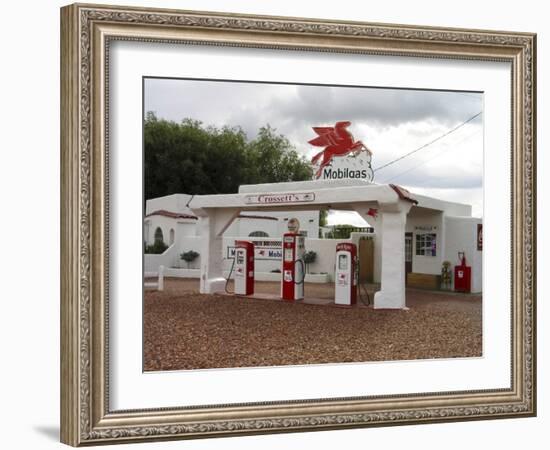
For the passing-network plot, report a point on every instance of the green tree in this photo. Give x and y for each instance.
(323, 214)
(342, 231)
(158, 245)
(188, 157)
(271, 158)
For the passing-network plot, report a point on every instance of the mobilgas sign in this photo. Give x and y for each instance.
(342, 157)
(330, 173)
(263, 249)
(259, 253)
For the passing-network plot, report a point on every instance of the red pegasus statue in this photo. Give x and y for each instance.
(338, 141)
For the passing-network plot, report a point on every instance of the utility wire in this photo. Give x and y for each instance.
(428, 160)
(429, 143)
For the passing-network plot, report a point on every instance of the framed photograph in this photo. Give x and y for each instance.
(276, 224)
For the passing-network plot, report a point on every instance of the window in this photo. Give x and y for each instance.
(426, 244)
(172, 236)
(258, 234)
(159, 237)
(146, 231)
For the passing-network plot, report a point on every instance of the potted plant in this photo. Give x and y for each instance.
(446, 275)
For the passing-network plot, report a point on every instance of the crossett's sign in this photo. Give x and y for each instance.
(275, 199)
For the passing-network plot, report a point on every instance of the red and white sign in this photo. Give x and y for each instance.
(342, 157)
(260, 253)
(276, 199)
(263, 249)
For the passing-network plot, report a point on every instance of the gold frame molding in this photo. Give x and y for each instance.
(86, 31)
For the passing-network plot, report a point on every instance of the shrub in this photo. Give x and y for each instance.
(309, 257)
(189, 256)
(157, 248)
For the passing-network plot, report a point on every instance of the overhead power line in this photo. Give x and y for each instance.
(429, 143)
(428, 160)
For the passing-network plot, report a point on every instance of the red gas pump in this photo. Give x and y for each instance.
(347, 274)
(244, 268)
(463, 275)
(292, 283)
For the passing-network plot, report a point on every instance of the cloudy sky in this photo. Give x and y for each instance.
(391, 122)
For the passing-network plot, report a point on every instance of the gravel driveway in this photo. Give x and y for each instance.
(186, 330)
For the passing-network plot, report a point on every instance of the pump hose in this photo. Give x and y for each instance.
(364, 289)
(303, 271)
(361, 297)
(229, 277)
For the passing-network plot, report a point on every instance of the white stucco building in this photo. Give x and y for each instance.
(172, 215)
(413, 234)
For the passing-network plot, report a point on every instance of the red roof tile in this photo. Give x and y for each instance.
(403, 193)
(251, 216)
(173, 215)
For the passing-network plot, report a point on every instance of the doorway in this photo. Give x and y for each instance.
(408, 253)
(366, 260)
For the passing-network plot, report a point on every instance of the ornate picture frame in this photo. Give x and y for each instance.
(86, 34)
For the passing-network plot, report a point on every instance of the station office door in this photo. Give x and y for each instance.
(366, 260)
(408, 253)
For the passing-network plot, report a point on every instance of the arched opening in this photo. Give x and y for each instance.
(159, 237)
(146, 231)
(258, 234)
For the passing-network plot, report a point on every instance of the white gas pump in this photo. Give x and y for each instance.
(346, 275)
(293, 269)
(244, 268)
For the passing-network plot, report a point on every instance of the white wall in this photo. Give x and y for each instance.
(186, 244)
(164, 223)
(186, 228)
(422, 263)
(151, 262)
(245, 226)
(182, 228)
(309, 223)
(449, 208)
(326, 255)
(172, 203)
